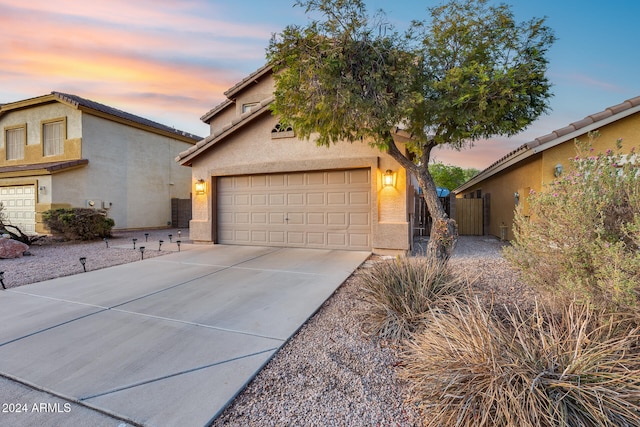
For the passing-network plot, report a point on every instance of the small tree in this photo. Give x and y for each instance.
(14, 231)
(469, 73)
(449, 176)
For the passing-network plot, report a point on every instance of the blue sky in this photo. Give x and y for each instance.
(171, 60)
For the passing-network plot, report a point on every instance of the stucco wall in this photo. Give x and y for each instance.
(34, 117)
(132, 171)
(251, 150)
(537, 172)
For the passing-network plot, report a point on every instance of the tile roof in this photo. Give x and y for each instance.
(558, 136)
(50, 167)
(79, 101)
(188, 155)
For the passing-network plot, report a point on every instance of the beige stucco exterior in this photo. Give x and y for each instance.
(244, 144)
(120, 164)
(532, 166)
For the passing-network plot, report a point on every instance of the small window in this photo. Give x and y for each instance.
(248, 107)
(282, 130)
(15, 141)
(53, 138)
(478, 194)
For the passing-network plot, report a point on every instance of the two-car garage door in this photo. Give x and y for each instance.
(317, 209)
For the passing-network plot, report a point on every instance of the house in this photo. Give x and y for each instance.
(61, 150)
(256, 183)
(536, 164)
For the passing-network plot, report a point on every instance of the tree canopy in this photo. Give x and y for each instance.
(468, 72)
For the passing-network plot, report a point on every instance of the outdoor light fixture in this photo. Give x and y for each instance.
(179, 233)
(146, 237)
(389, 178)
(516, 197)
(83, 261)
(106, 241)
(2, 279)
(178, 242)
(557, 171)
(142, 251)
(201, 187)
(160, 242)
(170, 237)
(134, 240)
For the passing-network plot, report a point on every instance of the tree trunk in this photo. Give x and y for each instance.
(444, 230)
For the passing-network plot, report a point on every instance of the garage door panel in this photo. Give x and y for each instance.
(19, 206)
(327, 209)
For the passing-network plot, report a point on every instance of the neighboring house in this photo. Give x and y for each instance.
(534, 165)
(256, 183)
(60, 150)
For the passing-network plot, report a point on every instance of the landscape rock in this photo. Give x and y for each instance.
(10, 248)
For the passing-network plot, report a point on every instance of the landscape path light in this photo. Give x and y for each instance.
(178, 242)
(106, 241)
(160, 242)
(142, 251)
(146, 237)
(83, 261)
(2, 279)
(170, 237)
(134, 242)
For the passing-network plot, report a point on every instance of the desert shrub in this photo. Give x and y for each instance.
(401, 291)
(78, 223)
(471, 367)
(582, 235)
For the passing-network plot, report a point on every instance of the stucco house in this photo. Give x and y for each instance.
(535, 165)
(256, 183)
(61, 150)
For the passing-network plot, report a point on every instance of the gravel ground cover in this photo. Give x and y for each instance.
(329, 373)
(50, 258)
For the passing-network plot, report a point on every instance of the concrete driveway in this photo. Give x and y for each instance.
(167, 341)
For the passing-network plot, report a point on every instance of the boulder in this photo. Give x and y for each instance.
(10, 248)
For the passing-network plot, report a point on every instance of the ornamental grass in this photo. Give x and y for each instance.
(473, 367)
(402, 291)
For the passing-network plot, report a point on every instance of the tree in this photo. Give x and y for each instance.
(469, 73)
(449, 176)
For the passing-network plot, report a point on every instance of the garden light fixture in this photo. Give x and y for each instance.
(160, 242)
(83, 261)
(170, 237)
(178, 242)
(2, 279)
(106, 241)
(142, 251)
(134, 240)
(146, 237)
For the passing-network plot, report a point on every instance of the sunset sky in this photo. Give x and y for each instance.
(171, 60)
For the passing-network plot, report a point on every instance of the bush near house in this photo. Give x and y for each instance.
(582, 235)
(78, 223)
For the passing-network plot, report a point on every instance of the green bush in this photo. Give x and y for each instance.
(472, 367)
(78, 223)
(401, 291)
(582, 235)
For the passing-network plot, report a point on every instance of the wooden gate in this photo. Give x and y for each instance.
(469, 217)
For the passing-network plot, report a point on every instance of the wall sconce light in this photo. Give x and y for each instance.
(201, 187)
(557, 171)
(389, 178)
(516, 197)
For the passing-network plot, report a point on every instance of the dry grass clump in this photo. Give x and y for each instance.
(471, 367)
(401, 292)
